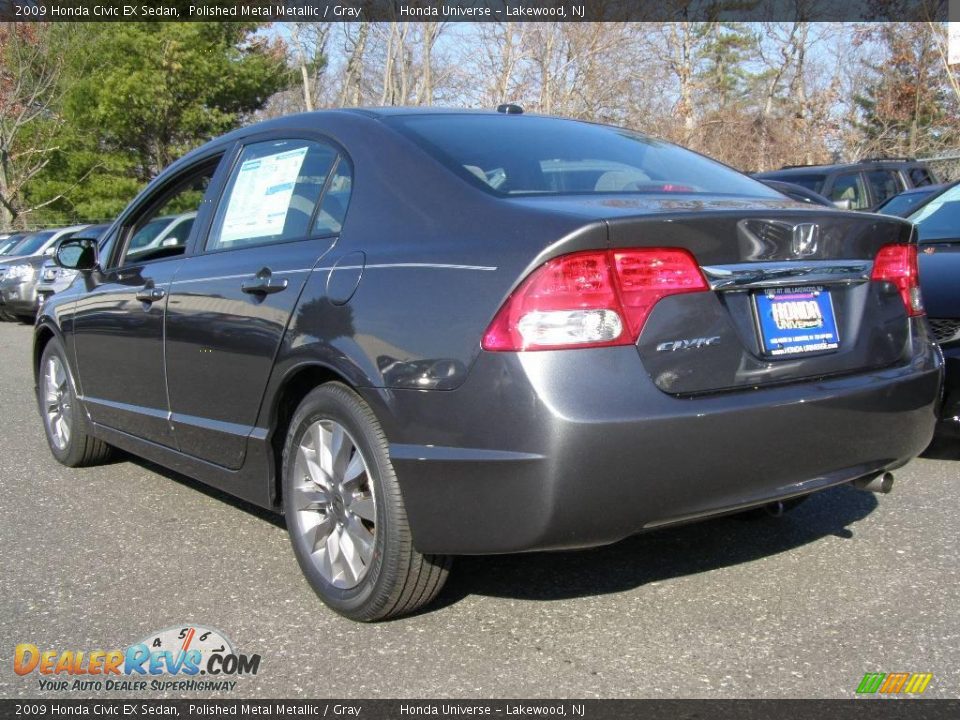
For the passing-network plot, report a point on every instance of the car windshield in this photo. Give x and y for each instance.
(9, 244)
(939, 219)
(901, 204)
(32, 243)
(523, 155)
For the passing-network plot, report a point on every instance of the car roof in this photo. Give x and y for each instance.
(835, 167)
(298, 120)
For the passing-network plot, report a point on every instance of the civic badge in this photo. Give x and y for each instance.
(805, 238)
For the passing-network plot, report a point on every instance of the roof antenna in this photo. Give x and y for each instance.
(510, 109)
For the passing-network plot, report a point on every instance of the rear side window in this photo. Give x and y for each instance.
(920, 177)
(527, 155)
(333, 207)
(850, 188)
(272, 194)
(883, 184)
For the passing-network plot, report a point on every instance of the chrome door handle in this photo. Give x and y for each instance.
(263, 284)
(150, 294)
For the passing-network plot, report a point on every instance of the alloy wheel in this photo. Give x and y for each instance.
(334, 503)
(57, 402)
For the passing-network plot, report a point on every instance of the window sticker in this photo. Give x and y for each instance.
(261, 196)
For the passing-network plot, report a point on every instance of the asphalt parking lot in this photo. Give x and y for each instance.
(801, 606)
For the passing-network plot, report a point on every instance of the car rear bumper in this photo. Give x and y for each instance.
(550, 450)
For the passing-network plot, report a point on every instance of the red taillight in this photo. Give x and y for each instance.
(898, 264)
(591, 299)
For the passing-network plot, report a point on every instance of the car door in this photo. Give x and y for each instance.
(231, 301)
(118, 324)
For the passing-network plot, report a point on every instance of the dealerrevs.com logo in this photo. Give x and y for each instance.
(181, 658)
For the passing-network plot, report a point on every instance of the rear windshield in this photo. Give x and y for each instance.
(939, 219)
(524, 155)
(901, 204)
(30, 244)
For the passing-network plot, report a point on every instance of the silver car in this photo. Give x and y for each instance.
(20, 274)
(53, 278)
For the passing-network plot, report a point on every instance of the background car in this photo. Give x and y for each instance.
(423, 333)
(797, 192)
(168, 231)
(54, 278)
(938, 230)
(910, 201)
(857, 186)
(20, 274)
(9, 242)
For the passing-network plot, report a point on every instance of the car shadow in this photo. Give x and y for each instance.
(649, 557)
(657, 555)
(271, 517)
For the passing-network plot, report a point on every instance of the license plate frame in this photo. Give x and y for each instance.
(796, 321)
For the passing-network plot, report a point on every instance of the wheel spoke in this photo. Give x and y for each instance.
(306, 467)
(324, 456)
(311, 497)
(354, 471)
(322, 531)
(350, 552)
(364, 508)
(58, 374)
(340, 448)
(333, 554)
(360, 538)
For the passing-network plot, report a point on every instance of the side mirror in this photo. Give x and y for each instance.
(844, 204)
(77, 254)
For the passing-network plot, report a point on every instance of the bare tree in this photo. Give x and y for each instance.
(308, 42)
(351, 91)
(29, 123)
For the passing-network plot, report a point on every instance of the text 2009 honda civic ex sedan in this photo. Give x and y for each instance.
(420, 334)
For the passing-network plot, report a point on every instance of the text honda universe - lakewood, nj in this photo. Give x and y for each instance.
(427, 333)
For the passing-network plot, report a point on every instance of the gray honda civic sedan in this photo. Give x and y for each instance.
(424, 333)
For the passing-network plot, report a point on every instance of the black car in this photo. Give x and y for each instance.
(863, 185)
(420, 333)
(909, 201)
(938, 227)
(797, 192)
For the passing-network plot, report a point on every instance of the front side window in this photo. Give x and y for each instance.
(884, 184)
(163, 230)
(850, 188)
(526, 155)
(272, 194)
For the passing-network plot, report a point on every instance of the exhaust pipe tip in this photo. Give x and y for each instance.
(881, 483)
(774, 509)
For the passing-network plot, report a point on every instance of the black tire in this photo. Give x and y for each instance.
(398, 580)
(81, 448)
